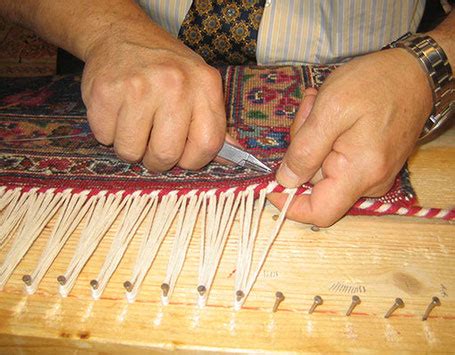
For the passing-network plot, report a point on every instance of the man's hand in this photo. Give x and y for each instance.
(146, 93)
(162, 105)
(362, 127)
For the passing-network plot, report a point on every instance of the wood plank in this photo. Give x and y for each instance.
(377, 258)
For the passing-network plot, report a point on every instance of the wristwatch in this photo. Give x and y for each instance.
(435, 63)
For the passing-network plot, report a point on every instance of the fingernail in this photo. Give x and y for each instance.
(287, 177)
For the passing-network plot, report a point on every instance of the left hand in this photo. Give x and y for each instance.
(358, 133)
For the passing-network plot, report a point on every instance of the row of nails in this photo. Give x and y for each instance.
(279, 297)
(317, 301)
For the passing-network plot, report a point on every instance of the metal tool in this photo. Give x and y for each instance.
(316, 302)
(238, 156)
(398, 304)
(279, 297)
(435, 302)
(355, 302)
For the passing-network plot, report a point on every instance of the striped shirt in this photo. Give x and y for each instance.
(312, 31)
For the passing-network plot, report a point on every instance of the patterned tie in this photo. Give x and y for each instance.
(223, 31)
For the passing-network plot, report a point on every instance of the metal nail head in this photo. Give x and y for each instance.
(279, 297)
(355, 301)
(398, 304)
(27, 280)
(435, 302)
(317, 301)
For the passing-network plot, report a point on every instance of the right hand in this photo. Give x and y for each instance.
(158, 103)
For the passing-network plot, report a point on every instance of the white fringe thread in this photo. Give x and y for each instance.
(25, 214)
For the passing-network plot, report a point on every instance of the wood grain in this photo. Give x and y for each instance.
(377, 258)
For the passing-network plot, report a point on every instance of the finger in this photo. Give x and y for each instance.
(168, 136)
(312, 143)
(133, 129)
(309, 96)
(206, 136)
(103, 106)
(330, 198)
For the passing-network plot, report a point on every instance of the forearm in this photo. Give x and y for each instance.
(444, 34)
(77, 25)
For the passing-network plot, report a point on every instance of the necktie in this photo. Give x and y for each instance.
(223, 31)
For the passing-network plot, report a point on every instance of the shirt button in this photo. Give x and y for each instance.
(268, 3)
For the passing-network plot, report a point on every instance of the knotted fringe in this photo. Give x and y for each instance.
(185, 226)
(39, 209)
(71, 214)
(136, 209)
(14, 204)
(24, 214)
(217, 217)
(250, 216)
(101, 216)
(156, 229)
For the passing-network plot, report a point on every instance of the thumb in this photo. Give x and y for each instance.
(311, 144)
(309, 96)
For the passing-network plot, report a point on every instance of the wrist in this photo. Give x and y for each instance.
(434, 63)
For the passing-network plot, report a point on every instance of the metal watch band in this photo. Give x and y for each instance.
(434, 61)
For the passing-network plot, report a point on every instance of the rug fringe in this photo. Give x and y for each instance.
(13, 203)
(188, 215)
(39, 209)
(218, 216)
(101, 216)
(245, 280)
(70, 215)
(24, 213)
(157, 226)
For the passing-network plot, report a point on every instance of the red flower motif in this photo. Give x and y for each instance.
(261, 95)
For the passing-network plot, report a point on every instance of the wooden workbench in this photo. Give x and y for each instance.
(377, 258)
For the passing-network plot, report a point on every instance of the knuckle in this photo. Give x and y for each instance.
(128, 154)
(300, 159)
(136, 84)
(381, 189)
(211, 74)
(171, 78)
(378, 168)
(102, 90)
(209, 146)
(101, 134)
(164, 157)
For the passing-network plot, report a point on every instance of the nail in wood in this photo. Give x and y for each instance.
(316, 302)
(355, 301)
(128, 286)
(398, 304)
(201, 290)
(239, 295)
(165, 288)
(279, 297)
(61, 280)
(435, 302)
(94, 284)
(27, 280)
